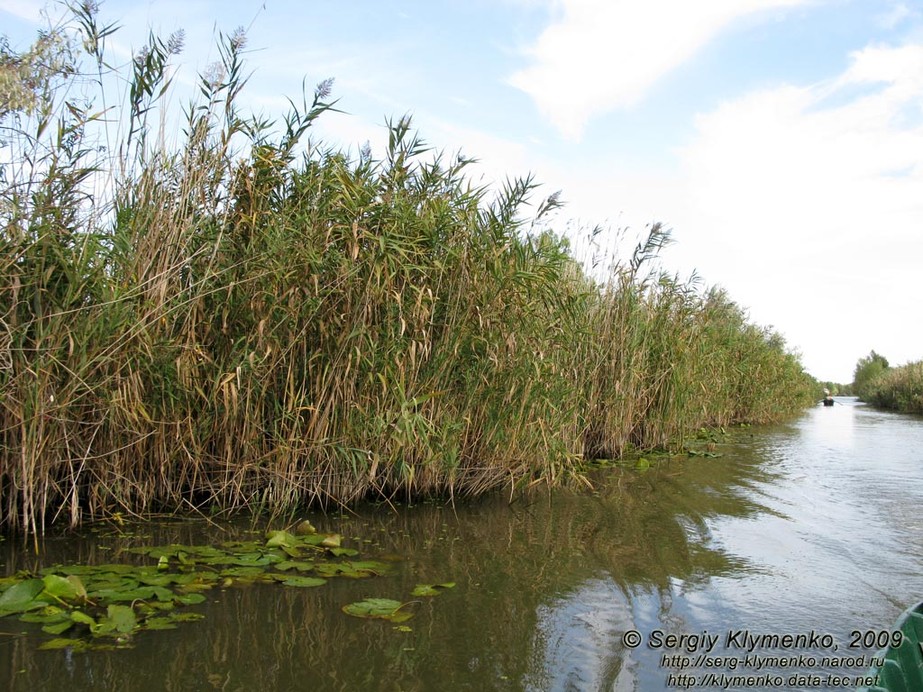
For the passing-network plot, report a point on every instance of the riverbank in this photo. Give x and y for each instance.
(546, 585)
(248, 320)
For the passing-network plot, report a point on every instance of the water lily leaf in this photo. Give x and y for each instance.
(186, 617)
(22, 596)
(121, 618)
(111, 583)
(190, 598)
(79, 587)
(255, 560)
(111, 569)
(162, 579)
(196, 587)
(343, 552)
(58, 627)
(281, 538)
(293, 564)
(305, 528)
(314, 539)
(432, 589)
(142, 593)
(305, 581)
(50, 613)
(380, 608)
(332, 541)
(61, 643)
(64, 588)
(160, 623)
(359, 569)
(82, 618)
(242, 572)
(366, 568)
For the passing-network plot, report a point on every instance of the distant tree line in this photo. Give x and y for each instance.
(876, 382)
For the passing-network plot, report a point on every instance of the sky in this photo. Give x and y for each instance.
(781, 141)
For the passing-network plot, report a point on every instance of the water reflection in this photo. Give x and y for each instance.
(785, 532)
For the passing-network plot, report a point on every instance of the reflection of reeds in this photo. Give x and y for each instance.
(512, 564)
(228, 325)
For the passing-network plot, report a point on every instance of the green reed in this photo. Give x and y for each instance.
(246, 320)
(898, 389)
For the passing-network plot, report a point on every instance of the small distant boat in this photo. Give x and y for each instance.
(828, 401)
(899, 666)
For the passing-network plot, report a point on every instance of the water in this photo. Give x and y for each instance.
(808, 529)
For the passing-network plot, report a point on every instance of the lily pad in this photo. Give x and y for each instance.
(378, 608)
(352, 570)
(305, 528)
(243, 572)
(190, 598)
(305, 581)
(432, 589)
(67, 588)
(46, 615)
(332, 541)
(281, 538)
(58, 627)
(22, 596)
(119, 619)
(343, 552)
(186, 617)
(83, 618)
(61, 643)
(301, 566)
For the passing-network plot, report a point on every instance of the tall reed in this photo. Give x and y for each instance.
(898, 389)
(244, 319)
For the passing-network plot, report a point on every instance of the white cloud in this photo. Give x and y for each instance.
(896, 15)
(601, 55)
(806, 200)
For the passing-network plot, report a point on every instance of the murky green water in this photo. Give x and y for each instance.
(813, 528)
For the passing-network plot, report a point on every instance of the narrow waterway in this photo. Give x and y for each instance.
(811, 529)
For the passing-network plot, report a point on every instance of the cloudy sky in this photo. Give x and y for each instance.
(780, 140)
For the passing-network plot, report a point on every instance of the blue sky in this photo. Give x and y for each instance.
(780, 140)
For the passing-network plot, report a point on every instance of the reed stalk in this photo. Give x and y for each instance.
(247, 320)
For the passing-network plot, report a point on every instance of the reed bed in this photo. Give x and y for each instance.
(898, 389)
(248, 319)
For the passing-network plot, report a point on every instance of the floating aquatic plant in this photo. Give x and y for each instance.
(104, 606)
(380, 609)
(432, 589)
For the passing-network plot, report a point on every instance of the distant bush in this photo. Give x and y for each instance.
(868, 370)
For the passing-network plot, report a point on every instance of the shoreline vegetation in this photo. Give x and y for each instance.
(250, 320)
(899, 389)
(895, 389)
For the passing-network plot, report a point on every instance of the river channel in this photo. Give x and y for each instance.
(654, 579)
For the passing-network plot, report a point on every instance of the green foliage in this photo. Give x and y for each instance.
(246, 320)
(868, 371)
(103, 606)
(899, 389)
